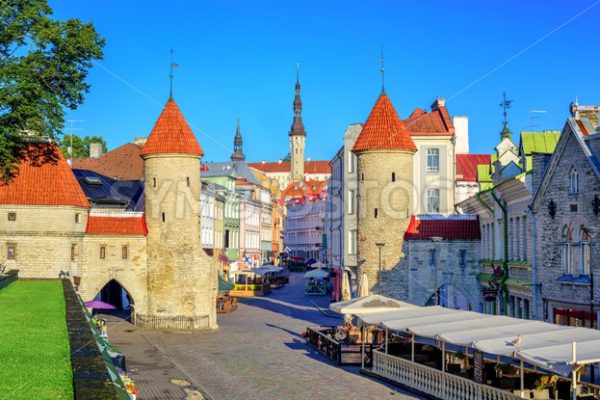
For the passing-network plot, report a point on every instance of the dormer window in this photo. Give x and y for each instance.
(573, 181)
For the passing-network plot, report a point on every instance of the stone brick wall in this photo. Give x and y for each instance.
(43, 236)
(549, 230)
(96, 272)
(421, 276)
(392, 201)
(182, 280)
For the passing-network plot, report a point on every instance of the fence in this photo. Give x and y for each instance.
(171, 322)
(339, 352)
(9, 277)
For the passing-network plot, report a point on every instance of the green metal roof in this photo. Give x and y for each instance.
(484, 177)
(539, 142)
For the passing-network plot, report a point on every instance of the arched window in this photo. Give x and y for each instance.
(573, 181)
(584, 268)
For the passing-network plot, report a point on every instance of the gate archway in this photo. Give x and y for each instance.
(115, 294)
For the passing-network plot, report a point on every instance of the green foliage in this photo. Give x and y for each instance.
(34, 344)
(44, 64)
(288, 157)
(81, 146)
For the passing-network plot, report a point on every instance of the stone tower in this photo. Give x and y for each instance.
(182, 280)
(384, 151)
(297, 138)
(238, 152)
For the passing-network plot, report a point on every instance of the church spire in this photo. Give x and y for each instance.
(238, 153)
(297, 124)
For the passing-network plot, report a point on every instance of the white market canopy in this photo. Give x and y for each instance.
(318, 264)
(371, 304)
(317, 274)
(542, 344)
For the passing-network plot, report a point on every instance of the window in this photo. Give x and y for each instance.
(124, 251)
(573, 207)
(524, 234)
(362, 177)
(432, 257)
(11, 251)
(350, 162)
(393, 177)
(352, 242)
(518, 238)
(102, 252)
(163, 217)
(227, 238)
(188, 181)
(573, 181)
(433, 160)
(375, 213)
(73, 252)
(463, 257)
(12, 216)
(350, 201)
(77, 218)
(154, 182)
(433, 200)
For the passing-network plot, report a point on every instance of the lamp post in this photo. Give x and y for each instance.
(380, 246)
(436, 241)
(592, 231)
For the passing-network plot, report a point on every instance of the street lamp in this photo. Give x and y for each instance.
(380, 246)
(436, 241)
(592, 231)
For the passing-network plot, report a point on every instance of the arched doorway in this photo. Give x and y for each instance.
(451, 297)
(115, 294)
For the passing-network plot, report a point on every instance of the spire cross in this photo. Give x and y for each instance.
(172, 67)
(505, 104)
(298, 72)
(382, 69)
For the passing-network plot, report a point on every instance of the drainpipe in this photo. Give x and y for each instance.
(535, 286)
(505, 246)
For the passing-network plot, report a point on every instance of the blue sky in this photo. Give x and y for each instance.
(239, 57)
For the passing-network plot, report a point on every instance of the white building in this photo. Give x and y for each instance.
(304, 224)
(207, 216)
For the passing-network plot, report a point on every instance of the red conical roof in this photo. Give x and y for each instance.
(171, 134)
(44, 179)
(384, 130)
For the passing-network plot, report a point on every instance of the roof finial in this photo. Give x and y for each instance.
(505, 104)
(298, 71)
(173, 65)
(382, 69)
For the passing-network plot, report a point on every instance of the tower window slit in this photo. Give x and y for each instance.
(376, 213)
(163, 217)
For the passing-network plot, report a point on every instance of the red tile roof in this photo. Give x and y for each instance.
(434, 123)
(302, 189)
(310, 167)
(171, 134)
(123, 163)
(116, 225)
(466, 166)
(384, 130)
(44, 178)
(460, 227)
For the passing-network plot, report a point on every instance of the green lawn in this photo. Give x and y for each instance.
(34, 343)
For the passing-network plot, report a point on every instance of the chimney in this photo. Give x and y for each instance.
(140, 141)
(95, 150)
(461, 134)
(439, 102)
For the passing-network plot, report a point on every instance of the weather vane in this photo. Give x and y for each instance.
(173, 65)
(382, 69)
(505, 104)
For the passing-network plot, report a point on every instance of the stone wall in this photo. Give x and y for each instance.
(384, 209)
(96, 272)
(421, 276)
(43, 236)
(182, 280)
(550, 230)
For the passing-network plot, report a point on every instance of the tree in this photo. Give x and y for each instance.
(81, 146)
(44, 64)
(288, 157)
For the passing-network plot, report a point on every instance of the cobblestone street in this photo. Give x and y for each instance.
(257, 353)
